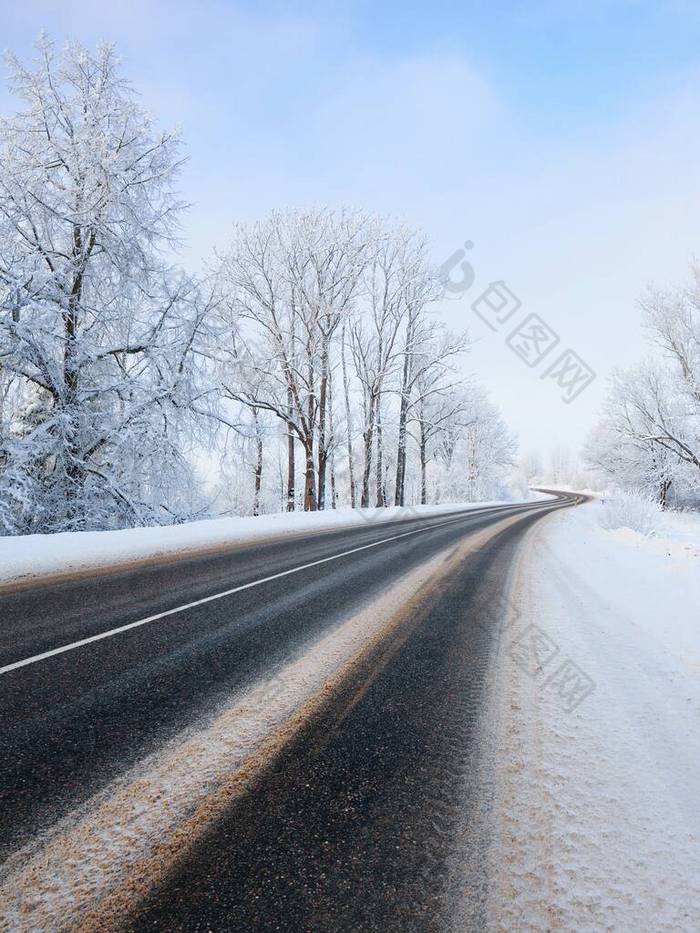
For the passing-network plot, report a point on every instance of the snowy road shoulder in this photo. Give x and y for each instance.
(597, 823)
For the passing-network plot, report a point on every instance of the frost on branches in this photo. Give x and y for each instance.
(305, 369)
(97, 333)
(649, 437)
(349, 386)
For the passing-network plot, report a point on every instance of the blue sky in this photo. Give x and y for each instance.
(560, 136)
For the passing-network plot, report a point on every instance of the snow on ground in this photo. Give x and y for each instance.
(30, 556)
(598, 735)
(677, 536)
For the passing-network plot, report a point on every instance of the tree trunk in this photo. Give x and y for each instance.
(423, 460)
(331, 440)
(399, 492)
(322, 449)
(310, 501)
(74, 468)
(368, 437)
(403, 415)
(381, 497)
(322, 452)
(348, 420)
(663, 493)
(333, 492)
(281, 479)
(291, 466)
(258, 464)
(309, 477)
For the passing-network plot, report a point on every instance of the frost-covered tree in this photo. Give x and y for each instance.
(531, 467)
(437, 397)
(290, 281)
(642, 441)
(325, 305)
(490, 448)
(309, 347)
(438, 404)
(425, 349)
(473, 452)
(97, 334)
(374, 340)
(649, 435)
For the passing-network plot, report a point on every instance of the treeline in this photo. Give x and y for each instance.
(332, 336)
(304, 368)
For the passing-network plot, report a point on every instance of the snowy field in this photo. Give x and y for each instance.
(27, 557)
(598, 732)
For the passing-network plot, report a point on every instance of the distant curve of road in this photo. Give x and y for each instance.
(351, 827)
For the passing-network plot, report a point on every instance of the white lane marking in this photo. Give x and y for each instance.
(236, 589)
(208, 599)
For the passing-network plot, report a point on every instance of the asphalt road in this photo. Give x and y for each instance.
(350, 828)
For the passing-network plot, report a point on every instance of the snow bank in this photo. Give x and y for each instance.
(631, 509)
(598, 824)
(30, 556)
(677, 536)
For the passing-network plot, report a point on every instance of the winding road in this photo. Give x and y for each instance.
(348, 821)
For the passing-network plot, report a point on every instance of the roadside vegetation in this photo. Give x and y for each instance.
(647, 443)
(303, 368)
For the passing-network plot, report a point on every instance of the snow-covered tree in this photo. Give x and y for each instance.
(308, 354)
(649, 436)
(473, 452)
(531, 467)
(642, 441)
(425, 350)
(374, 341)
(322, 305)
(97, 333)
(290, 281)
(438, 405)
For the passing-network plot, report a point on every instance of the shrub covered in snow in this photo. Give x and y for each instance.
(631, 509)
